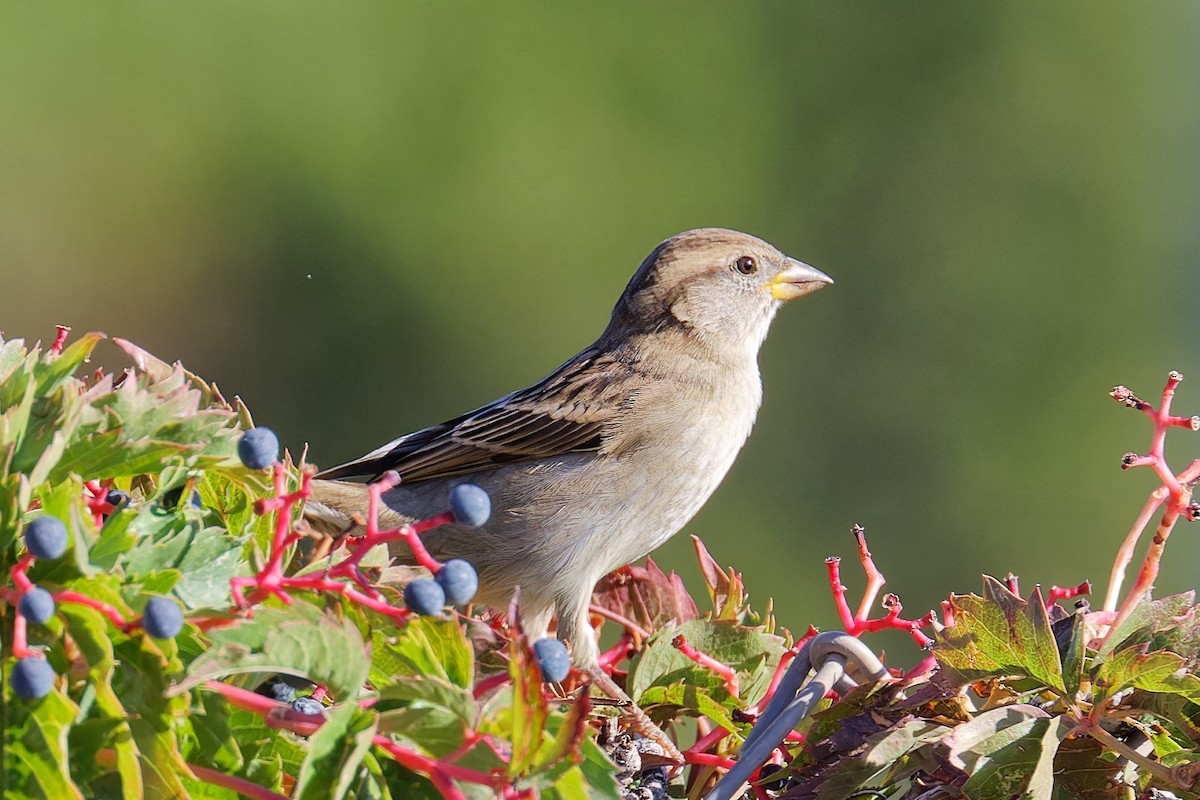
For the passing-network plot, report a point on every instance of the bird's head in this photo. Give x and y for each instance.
(721, 286)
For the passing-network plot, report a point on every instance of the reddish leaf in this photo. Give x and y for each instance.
(646, 596)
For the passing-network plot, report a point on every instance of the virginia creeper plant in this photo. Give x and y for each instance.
(170, 628)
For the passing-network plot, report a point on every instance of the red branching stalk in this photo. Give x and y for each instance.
(22, 583)
(857, 624)
(411, 534)
(703, 659)
(1175, 493)
(270, 580)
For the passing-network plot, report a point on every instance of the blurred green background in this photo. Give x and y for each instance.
(366, 218)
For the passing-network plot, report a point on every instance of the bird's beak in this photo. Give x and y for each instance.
(796, 280)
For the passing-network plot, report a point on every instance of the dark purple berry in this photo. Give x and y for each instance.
(458, 580)
(470, 505)
(36, 605)
(553, 659)
(117, 498)
(425, 596)
(163, 618)
(46, 537)
(258, 448)
(32, 678)
(308, 706)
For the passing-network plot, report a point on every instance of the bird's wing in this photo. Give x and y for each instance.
(567, 412)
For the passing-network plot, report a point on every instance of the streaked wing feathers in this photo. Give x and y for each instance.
(567, 412)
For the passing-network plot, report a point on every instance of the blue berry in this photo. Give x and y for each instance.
(458, 580)
(552, 659)
(117, 498)
(282, 692)
(259, 448)
(36, 605)
(276, 688)
(470, 504)
(306, 705)
(32, 678)
(425, 596)
(163, 618)
(46, 537)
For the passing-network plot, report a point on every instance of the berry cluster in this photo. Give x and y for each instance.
(454, 582)
(46, 538)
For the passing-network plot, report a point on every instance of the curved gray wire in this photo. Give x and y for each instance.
(829, 651)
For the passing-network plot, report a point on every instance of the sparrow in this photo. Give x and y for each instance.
(611, 454)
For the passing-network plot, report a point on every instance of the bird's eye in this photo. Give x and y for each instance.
(746, 265)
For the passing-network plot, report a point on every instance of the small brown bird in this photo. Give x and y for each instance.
(612, 453)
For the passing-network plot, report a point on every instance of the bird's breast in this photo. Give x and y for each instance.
(672, 453)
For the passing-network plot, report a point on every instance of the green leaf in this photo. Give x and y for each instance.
(52, 371)
(1153, 672)
(977, 739)
(425, 646)
(95, 638)
(215, 743)
(1018, 767)
(297, 639)
(599, 772)
(1001, 636)
(882, 760)
(1148, 618)
(336, 753)
(697, 700)
(749, 650)
(1075, 655)
(1082, 769)
(156, 719)
(434, 729)
(431, 691)
(35, 745)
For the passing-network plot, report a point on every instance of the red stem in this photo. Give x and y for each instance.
(705, 660)
(239, 785)
(60, 339)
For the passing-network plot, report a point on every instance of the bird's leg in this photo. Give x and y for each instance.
(634, 718)
(574, 628)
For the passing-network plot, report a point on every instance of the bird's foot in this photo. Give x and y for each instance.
(639, 722)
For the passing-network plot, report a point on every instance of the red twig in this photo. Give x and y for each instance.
(1057, 593)
(857, 624)
(1178, 498)
(114, 616)
(620, 651)
(703, 659)
(239, 785)
(708, 759)
(875, 579)
(638, 631)
(60, 339)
